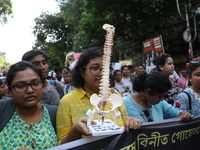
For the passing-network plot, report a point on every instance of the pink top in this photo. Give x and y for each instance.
(182, 82)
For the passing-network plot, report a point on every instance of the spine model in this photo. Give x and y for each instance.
(98, 101)
(104, 86)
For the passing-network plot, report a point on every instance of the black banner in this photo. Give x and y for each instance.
(170, 134)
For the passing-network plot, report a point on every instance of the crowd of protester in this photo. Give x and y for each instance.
(48, 107)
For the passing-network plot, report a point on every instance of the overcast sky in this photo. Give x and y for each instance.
(16, 36)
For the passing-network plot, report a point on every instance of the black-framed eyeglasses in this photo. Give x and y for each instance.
(22, 87)
(147, 114)
(95, 71)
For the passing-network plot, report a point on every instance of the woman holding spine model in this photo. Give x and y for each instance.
(73, 106)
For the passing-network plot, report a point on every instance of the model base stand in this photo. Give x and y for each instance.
(108, 128)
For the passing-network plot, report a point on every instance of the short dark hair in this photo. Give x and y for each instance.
(20, 66)
(66, 68)
(86, 56)
(182, 67)
(32, 53)
(142, 66)
(130, 67)
(58, 69)
(67, 72)
(124, 66)
(157, 82)
(161, 60)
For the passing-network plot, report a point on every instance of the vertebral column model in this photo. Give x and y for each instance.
(99, 101)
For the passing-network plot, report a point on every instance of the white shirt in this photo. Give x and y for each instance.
(174, 76)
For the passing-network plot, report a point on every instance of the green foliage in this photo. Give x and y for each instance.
(2, 61)
(5, 10)
(51, 32)
(4, 65)
(78, 26)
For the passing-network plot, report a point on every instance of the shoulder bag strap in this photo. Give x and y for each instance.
(7, 109)
(52, 109)
(189, 100)
(141, 112)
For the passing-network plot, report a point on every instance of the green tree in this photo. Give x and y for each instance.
(55, 32)
(79, 24)
(51, 33)
(4, 65)
(5, 10)
(135, 21)
(2, 61)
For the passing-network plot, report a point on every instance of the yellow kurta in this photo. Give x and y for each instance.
(74, 106)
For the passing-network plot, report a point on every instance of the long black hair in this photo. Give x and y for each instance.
(112, 77)
(157, 82)
(161, 60)
(86, 56)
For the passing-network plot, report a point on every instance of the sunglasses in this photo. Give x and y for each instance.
(147, 114)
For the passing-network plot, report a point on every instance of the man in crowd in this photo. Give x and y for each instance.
(140, 69)
(52, 92)
(59, 74)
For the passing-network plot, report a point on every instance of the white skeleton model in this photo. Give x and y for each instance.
(104, 96)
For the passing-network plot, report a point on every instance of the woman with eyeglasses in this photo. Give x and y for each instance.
(190, 97)
(165, 65)
(74, 105)
(24, 123)
(148, 104)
